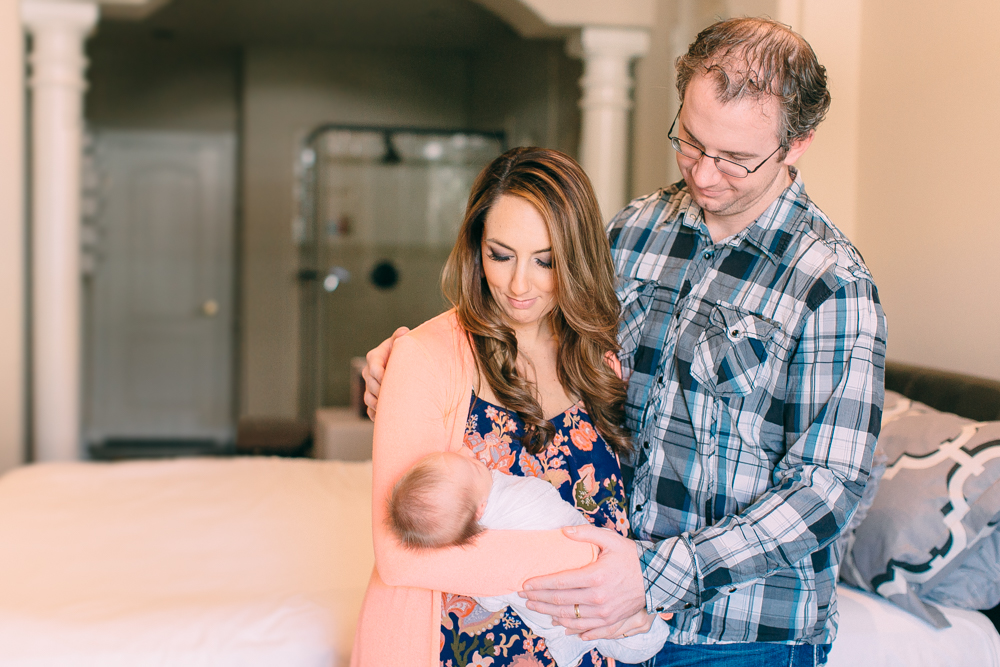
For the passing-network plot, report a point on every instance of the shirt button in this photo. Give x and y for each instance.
(687, 605)
(660, 379)
(732, 590)
(659, 609)
(707, 254)
(638, 508)
(645, 445)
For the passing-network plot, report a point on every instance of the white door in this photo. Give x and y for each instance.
(160, 296)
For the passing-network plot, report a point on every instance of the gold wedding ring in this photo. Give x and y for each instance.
(576, 610)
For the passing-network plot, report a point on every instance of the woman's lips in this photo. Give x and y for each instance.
(518, 304)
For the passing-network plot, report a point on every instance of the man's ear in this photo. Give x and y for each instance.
(798, 147)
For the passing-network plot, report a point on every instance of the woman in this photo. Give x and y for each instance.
(521, 372)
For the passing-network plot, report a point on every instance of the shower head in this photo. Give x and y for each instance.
(391, 156)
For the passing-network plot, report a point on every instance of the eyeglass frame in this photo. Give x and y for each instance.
(675, 140)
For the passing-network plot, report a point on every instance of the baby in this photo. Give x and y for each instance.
(447, 499)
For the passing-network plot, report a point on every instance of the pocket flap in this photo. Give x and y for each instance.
(732, 349)
(740, 324)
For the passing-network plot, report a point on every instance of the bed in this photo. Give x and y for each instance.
(264, 561)
(874, 633)
(241, 562)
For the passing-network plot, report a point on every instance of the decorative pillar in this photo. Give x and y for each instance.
(12, 245)
(58, 31)
(607, 54)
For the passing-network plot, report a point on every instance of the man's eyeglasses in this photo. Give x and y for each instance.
(727, 167)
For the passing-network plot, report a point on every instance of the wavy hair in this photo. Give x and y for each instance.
(586, 312)
(751, 58)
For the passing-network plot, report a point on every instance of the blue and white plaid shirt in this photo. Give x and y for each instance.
(755, 369)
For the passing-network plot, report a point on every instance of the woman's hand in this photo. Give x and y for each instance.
(374, 369)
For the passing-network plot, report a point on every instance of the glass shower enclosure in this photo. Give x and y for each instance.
(379, 210)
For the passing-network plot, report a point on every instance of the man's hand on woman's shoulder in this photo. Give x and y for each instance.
(374, 369)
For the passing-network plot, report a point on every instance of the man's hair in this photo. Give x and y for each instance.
(751, 58)
(423, 512)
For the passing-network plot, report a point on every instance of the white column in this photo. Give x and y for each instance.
(58, 30)
(607, 54)
(12, 228)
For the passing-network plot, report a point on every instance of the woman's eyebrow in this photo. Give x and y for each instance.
(504, 245)
(734, 154)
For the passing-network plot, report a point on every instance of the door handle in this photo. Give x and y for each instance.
(335, 277)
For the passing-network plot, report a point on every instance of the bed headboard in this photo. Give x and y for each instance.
(965, 395)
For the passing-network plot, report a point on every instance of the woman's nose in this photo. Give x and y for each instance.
(519, 283)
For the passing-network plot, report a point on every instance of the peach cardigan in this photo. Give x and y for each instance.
(423, 408)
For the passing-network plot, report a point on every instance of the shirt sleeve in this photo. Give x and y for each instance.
(416, 416)
(832, 417)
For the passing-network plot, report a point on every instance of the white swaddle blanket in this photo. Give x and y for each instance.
(530, 503)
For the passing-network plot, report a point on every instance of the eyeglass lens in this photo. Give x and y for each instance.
(722, 164)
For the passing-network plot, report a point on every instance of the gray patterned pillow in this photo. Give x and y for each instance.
(975, 583)
(939, 496)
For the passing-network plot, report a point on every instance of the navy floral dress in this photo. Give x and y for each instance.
(579, 463)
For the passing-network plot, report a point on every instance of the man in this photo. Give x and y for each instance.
(753, 343)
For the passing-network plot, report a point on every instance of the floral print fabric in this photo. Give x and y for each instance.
(586, 473)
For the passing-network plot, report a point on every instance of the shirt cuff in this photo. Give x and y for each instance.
(670, 574)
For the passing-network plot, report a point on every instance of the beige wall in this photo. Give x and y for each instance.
(12, 230)
(928, 220)
(530, 90)
(831, 166)
(159, 85)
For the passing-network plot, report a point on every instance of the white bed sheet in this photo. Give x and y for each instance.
(874, 633)
(188, 562)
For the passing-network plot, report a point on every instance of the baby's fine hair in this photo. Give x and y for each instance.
(422, 512)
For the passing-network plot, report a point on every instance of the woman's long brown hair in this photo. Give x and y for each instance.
(585, 318)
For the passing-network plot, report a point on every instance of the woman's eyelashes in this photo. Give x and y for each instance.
(497, 257)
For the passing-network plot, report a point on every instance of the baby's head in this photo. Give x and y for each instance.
(439, 501)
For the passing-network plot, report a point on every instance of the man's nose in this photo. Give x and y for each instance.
(705, 171)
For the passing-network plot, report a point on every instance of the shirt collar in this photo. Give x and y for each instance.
(770, 233)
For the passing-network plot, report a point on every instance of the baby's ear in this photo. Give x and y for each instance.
(481, 509)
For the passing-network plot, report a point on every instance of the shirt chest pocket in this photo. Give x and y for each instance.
(734, 352)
